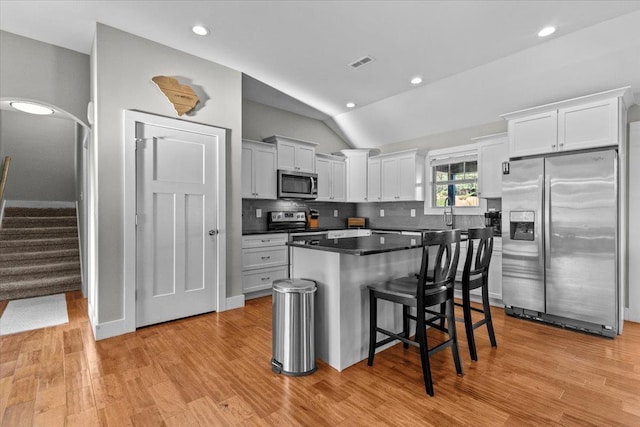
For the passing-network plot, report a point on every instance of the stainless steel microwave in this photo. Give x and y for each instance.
(297, 185)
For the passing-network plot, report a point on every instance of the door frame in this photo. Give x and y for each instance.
(131, 118)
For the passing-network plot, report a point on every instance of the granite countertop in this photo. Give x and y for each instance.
(365, 245)
(323, 229)
(303, 230)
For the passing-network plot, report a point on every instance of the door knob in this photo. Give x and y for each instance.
(213, 232)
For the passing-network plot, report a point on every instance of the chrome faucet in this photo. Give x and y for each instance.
(448, 214)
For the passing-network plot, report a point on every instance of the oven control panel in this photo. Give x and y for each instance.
(287, 216)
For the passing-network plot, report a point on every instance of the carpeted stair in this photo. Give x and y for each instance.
(38, 252)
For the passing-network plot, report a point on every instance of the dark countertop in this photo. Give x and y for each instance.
(366, 245)
(323, 229)
(304, 230)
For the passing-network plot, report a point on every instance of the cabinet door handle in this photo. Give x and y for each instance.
(264, 279)
(265, 240)
(266, 257)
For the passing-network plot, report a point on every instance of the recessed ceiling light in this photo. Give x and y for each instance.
(200, 30)
(546, 31)
(416, 80)
(31, 108)
(351, 104)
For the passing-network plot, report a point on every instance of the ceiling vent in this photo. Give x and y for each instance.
(361, 62)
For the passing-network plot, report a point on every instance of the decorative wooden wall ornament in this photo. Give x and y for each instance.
(182, 97)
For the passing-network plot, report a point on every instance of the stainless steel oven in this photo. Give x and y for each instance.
(297, 185)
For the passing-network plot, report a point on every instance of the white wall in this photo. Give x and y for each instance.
(42, 156)
(44, 72)
(124, 65)
(261, 121)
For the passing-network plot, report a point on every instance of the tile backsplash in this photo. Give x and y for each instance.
(327, 219)
(396, 214)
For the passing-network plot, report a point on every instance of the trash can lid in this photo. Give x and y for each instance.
(294, 285)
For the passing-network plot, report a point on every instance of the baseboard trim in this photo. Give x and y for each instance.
(39, 204)
(109, 329)
(631, 316)
(235, 302)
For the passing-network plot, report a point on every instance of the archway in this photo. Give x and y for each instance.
(50, 168)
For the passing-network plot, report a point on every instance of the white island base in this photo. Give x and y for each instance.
(342, 300)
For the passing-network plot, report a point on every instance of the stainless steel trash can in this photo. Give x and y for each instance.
(293, 335)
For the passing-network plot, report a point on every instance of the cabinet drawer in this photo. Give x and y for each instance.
(264, 257)
(263, 278)
(261, 240)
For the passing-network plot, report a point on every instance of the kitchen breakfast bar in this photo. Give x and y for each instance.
(342, 269)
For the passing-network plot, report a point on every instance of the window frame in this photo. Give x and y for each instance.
(450, 155)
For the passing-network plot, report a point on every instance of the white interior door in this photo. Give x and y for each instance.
(177, 223)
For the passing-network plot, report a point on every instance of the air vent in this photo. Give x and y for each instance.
(361, 62)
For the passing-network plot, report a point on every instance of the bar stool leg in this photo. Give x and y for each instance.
(405, 324)
(421, 337)
(373, 312)
(468, 324)
(451, 327)
(487, 315)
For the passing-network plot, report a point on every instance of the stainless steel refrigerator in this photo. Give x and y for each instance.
(560, 239)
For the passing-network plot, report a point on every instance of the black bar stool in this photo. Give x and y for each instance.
(476, 276)
(422, 292)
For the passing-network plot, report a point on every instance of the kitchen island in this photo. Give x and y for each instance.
(343, 268)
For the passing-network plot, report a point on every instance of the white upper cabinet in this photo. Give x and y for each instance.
(402, 176)
(587, 122)
(374, 182)
(258, 170)
(294, 154)
(535, 134)
(594, 124)
(493, 150)
(356, 161)
(331, 178)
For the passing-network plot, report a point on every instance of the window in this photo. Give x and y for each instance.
(453, 180)
(455, 184)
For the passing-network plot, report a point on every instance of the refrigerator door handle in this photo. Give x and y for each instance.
(539, 221)
(547, 221)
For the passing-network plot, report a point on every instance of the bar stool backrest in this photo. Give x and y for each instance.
(479, 251)
(445, 262)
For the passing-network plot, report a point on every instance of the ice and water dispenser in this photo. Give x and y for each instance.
(521, 225)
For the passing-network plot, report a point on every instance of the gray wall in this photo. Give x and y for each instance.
(261, 121)
(43, 72)
(42, 156)
(124, 66)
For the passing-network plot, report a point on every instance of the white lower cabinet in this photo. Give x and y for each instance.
(258, 280)
(264, 259)
(495, 271)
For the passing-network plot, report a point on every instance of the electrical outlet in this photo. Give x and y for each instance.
(258, 213)
(413, 212)
(335, 212)
(381, 213)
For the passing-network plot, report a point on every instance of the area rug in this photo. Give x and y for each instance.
(33, 313)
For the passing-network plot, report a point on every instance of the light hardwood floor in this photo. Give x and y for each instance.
(214, 370)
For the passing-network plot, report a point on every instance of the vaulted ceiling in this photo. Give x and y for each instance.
(477, 59)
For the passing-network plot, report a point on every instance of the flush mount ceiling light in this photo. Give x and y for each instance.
(546, 31)
(200, 30)
(416, 80)
(351, 104)
(31, 108)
